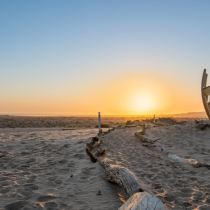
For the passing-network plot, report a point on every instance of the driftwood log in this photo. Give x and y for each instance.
(144, 139)
(122, 176)
(93, 141)
(191, 162)
(142, 201)
(148, 142)
(202, 126)
(142, 132)
(93, 157)
(138, 200)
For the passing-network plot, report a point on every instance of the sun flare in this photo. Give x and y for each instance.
(141, 103)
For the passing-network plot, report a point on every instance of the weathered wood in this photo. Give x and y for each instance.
(147, 142)
(93, 157)
(196, 121)
(203, 126)
(204, 94)
(122, 176)
(99, 122)
(142, 201)
(99, 152)
(206, 91)
(126, 179)
(130, 126)
(142, 132)
(156, 145)
(191, 162)
(93, 141)
(138, 200)
(144, 139)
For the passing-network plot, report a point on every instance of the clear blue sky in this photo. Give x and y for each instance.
(57, 49)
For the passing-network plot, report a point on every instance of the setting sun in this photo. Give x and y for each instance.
(142, 103)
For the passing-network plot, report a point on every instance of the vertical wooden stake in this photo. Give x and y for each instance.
(99, 122)
(154, 118)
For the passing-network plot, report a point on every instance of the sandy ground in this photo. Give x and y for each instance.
(7, 121)
(47, 168)
(50, 170)
(178, 185)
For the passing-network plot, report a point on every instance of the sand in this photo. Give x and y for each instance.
(47, 168)
(178, 185)
(50, 170)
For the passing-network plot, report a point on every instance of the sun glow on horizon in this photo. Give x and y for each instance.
(141, 103)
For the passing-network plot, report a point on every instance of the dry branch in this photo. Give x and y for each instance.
(93, 157)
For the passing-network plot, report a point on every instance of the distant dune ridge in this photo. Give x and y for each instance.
(191, 115)
(9, 121)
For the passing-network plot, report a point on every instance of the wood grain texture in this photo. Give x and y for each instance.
(204, 98)
(122, 176)
(143, 201)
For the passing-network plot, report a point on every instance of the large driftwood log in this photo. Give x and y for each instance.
(127, 180)
(142, 201)
(138, 200)
(121, 176)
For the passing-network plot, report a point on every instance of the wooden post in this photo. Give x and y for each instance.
(99, 122)
(154, 118)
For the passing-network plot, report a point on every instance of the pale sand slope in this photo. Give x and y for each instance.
(178, 185)
(36, 169)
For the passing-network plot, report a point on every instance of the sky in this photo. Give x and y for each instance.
(114, 56)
